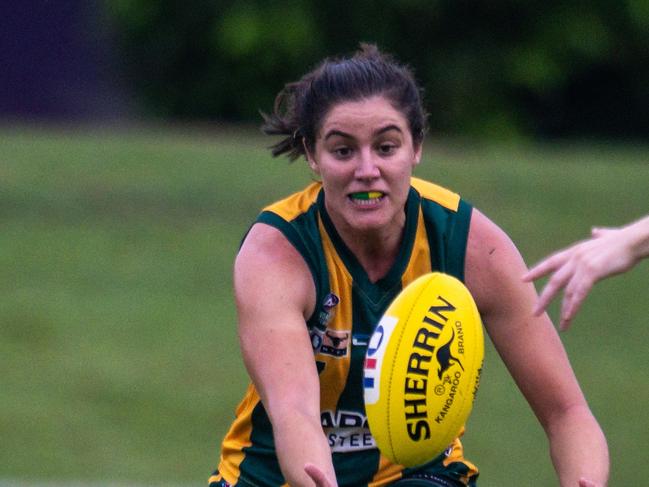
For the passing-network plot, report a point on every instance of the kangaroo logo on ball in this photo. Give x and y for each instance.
(445, 358)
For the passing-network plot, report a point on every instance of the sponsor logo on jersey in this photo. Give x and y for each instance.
(347, 431)
(335, 343)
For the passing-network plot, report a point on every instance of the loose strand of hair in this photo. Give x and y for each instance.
(283, 122)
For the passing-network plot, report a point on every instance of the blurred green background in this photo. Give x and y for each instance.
(118, 349)
(131, 166)
(493, 70)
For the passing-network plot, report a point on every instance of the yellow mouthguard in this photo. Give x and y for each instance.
(368, 196)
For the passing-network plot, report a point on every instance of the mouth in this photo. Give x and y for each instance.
(366, 197)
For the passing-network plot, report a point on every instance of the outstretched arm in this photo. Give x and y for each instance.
(275, 294)
(532, 352)
(577, 268)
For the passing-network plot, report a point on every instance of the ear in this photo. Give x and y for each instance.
(310, 159)
(418, 150)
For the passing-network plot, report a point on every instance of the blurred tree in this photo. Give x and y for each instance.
(498, 69)
(205, 59)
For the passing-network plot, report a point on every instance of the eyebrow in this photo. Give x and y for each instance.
(380, 131)
(387, 128)
(332, 133)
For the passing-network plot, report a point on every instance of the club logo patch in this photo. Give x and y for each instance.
(328, 304)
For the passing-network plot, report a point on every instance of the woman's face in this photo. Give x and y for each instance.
(364, 155)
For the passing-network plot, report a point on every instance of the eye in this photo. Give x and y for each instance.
(342, 152)
(387, 148)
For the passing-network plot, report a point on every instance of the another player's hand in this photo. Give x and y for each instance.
(577, 268)
(319, 477)
(587, 483)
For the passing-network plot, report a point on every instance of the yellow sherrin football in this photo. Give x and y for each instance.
(422, 369)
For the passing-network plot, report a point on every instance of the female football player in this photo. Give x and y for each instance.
(317, 269)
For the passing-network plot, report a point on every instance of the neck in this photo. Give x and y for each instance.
(375, 251)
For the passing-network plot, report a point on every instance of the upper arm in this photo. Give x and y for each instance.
(529, 345)
(275, 294)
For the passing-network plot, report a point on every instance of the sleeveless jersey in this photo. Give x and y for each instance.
(348, 306)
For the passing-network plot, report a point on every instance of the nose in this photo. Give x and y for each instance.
(367, 167)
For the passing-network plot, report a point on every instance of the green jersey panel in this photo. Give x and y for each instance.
(348, 307)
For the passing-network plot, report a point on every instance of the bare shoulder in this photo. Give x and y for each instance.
(494, 265)
(269, 270)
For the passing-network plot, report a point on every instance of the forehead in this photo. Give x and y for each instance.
(361, 116)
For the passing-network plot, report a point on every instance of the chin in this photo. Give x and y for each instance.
(369, 224)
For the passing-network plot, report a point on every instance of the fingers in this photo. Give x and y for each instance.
(541, 269)
(575, 294)
(317, 475)
(549, 264)
(559, 280)
(576, 269)
(601, 231)
(586, 483)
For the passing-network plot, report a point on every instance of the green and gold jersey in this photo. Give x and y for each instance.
(348, 308)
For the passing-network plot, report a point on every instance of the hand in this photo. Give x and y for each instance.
(319, 477)
(579, 267)
(586, 483)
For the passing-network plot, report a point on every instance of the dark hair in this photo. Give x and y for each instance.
(302, 105)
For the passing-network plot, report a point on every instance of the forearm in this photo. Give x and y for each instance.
(578, 448)
(300, 440)
(637, 234)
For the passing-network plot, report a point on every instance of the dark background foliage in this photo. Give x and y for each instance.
(559, 68)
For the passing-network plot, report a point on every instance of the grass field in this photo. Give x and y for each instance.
(118, 353)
